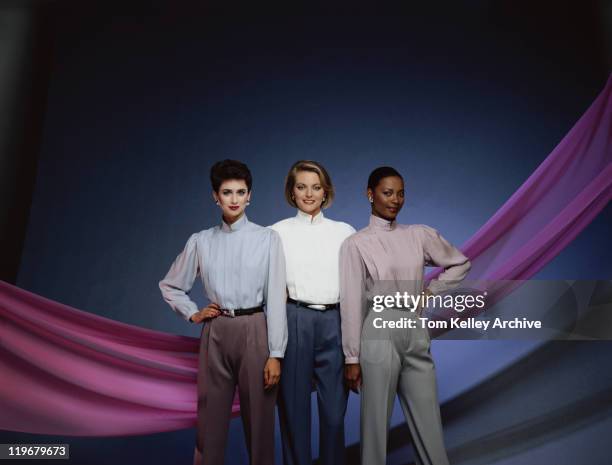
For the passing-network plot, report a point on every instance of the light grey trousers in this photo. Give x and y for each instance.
(399, 361)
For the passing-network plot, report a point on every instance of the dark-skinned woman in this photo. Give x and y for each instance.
(380, 259)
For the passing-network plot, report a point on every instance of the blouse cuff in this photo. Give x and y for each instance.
(187, 311)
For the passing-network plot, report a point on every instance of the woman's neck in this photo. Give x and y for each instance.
(232, 220)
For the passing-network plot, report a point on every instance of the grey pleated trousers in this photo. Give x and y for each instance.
(399, 361)
(233, 352)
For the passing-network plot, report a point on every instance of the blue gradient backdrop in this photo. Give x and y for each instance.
(466, 103)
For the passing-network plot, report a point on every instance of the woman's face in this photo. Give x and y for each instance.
(387, 197)
(308, 192)
(232, 197)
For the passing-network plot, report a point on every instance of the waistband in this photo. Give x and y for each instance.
(319, 307)
(234, 312)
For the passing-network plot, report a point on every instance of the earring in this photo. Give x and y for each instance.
(248, 202)
(371, 199)
(216, 202)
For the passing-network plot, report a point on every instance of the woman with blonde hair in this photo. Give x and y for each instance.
(311, 244)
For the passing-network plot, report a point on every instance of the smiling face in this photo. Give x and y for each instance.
(308, 193)
(232, 197)
(387, 197)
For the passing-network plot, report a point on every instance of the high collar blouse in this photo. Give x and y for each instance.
(312, 249)
(392, 256)
(241, 265)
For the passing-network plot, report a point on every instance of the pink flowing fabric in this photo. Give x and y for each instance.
(562, 196)
(64, 371)
(68, 372)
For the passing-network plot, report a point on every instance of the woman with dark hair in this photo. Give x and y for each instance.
(383, 258)
(242, 268)
(311, 243)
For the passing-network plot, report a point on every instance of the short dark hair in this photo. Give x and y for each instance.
(229, 169)
(381, 172)
(313, 167)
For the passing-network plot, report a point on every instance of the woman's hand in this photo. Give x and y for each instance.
(272, 372)
(207, 313)
(352, 375)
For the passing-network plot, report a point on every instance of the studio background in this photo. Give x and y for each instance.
(464, 101)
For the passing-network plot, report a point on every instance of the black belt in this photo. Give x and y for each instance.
(308, 305)
(241, 311)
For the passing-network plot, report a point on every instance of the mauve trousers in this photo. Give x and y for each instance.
(234, 351)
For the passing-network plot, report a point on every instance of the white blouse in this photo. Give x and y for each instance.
(312, 253)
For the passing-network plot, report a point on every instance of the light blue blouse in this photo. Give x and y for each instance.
(241, 266)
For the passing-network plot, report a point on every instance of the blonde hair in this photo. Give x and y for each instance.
(313, 167)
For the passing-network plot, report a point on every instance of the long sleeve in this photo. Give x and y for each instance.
(276, 311)
(352, 299)
(439, 252)
(179, 280)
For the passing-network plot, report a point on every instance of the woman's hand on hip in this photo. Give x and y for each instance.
(207, 313)
(272, 372)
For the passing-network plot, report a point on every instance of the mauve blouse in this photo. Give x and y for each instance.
(391, 256)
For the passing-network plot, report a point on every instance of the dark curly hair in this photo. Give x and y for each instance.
(229, 169)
